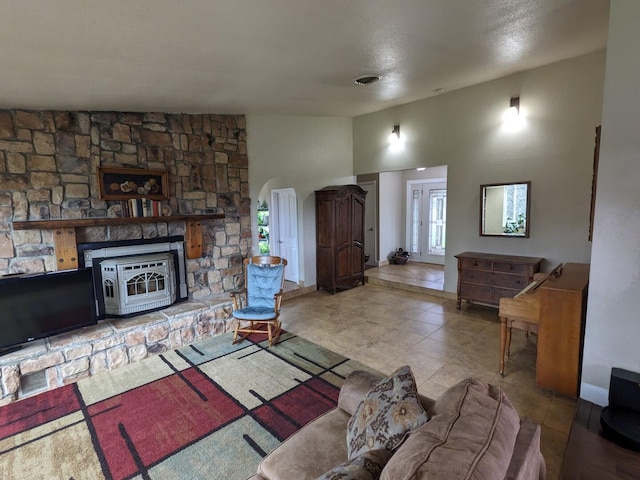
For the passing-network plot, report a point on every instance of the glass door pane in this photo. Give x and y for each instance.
(415, 221)
(437, 221)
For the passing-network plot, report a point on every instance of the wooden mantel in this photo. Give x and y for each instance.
(64, 237)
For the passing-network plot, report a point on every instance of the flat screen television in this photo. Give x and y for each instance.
(39, 305)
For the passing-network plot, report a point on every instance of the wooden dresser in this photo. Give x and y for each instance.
(487, 277)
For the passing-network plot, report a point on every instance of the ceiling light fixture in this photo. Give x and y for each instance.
(366, 80)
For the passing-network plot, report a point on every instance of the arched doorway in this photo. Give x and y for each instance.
(278, 225)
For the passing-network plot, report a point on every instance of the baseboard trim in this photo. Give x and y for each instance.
(594, 394)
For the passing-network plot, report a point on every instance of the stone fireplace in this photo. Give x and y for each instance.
(48, 171)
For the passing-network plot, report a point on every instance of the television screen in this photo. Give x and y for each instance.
(40, 305)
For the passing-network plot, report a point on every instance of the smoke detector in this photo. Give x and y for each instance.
(366, 80)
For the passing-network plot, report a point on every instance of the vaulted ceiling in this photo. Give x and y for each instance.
(295, 57)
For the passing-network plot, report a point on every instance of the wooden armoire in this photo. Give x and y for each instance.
(340, 237)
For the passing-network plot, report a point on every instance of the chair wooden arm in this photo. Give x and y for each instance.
(235, 295)
(278, 300)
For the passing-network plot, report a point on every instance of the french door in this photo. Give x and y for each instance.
(427, 212)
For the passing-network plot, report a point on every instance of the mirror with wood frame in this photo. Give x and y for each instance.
(504, 209)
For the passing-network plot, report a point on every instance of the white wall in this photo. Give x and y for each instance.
(613, 323)
(306, 153)
(464, 130)
(391, 208)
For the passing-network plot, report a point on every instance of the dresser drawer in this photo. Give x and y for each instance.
(498, 293)
(478, 293)
(517, 282)
(475, 264)
(477, 276)
(512, 268)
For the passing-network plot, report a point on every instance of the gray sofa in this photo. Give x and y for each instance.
(473, 432)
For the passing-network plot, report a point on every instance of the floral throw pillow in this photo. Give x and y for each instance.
(386, 414)
(367, 466)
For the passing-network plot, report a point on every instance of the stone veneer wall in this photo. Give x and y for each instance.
(48, 166)
(112, 343)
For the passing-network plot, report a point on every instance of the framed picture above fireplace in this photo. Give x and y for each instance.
(117, 183)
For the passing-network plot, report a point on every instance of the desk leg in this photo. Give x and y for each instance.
(503, 342)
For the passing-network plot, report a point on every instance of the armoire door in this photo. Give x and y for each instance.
(343, 238)
(357, 235)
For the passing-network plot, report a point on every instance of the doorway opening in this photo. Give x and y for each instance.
(402, 219)
(284, 229)
(370, 224)
(276, 227)
(427, 220)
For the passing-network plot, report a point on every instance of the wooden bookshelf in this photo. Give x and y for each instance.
(65, 243)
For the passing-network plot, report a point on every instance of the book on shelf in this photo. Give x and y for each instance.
(140, 207)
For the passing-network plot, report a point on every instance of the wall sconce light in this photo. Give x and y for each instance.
(394, 136)
(513, 118)
(514, 107)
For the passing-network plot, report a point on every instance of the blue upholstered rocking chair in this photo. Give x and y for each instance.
(256, 307)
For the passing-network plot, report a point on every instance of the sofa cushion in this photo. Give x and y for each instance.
(384, 416)
(366, 466)
(311, 451)
(470, 435)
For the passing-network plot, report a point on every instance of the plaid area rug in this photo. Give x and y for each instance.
(208, 411)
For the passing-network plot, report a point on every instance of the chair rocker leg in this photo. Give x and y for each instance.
(244, 332)
(273, 331)
(276, 333)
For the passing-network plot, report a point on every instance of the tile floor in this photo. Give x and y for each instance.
(385, 328)
(423, 275)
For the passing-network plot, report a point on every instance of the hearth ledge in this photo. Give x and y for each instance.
(113, 342)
